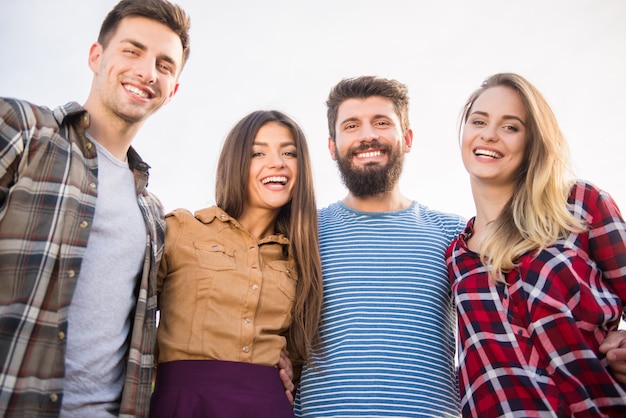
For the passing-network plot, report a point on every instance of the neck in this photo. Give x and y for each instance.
(111, 132)
(385, 202)
(259, 223)
(490, 199)
(489, 202)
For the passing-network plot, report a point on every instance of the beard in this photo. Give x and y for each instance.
(373, 179)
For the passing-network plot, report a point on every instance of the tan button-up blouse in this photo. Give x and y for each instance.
(222, 294)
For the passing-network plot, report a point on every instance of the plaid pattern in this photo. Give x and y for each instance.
(530, 348)
(48, 180)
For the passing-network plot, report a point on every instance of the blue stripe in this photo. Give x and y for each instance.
(387, 321)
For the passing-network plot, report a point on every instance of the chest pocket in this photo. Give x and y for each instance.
(214, 256)
(284, 275)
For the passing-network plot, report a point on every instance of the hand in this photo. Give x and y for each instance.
(614, 346)
(286, 374)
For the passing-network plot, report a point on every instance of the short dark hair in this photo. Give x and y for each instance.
(364, 87)
(171, 15)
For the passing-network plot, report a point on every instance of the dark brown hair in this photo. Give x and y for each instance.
(297, 220)
(364, 87)
(171, 15)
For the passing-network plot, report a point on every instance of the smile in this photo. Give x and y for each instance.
(369, 154)
(275, 179)
(136, 91)
(488, 153)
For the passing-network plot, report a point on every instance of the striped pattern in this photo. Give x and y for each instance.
(387, 321)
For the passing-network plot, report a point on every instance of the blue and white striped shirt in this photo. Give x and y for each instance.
(388, 322)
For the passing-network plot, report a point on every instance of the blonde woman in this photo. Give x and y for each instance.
(539, 274)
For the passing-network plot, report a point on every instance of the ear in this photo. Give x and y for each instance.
(332, 147)
(408, 140)
(172, 93)
(95, 55)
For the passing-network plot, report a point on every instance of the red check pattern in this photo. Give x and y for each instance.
(530, 348)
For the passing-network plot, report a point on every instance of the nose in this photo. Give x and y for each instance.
(489, 133)
(145, 70)
(277, 160)
(368, 133)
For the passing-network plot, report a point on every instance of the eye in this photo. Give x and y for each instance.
(257, 154)
(165, 68)
(292, 154)
(349, 126)
(511, 128)
(131, 52)
(477, 122)
(382, 123)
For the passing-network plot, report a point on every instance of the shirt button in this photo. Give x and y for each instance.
(54, 397)
(246, 320)
(520, 332)
(255, 287)
(246, 349)
(89, 146)
(61, 335)
(71, 274)
(92, 185)
(84, 224)
(252, 248)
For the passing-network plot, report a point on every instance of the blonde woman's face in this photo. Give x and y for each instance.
(494, 137)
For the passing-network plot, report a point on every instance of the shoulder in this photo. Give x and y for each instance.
(177, 221)
(330, 211)
(21, 114)
(179, 215)
(36, 115)
(450, 222)
(204, 216)
(20, 118)
(592, 203)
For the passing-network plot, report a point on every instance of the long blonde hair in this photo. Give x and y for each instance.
(537, 214)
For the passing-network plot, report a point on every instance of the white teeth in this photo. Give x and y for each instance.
(136, 91)
(275, 179)
(488, 153)
(370, 154)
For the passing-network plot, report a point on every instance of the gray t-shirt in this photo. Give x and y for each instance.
(100, 312)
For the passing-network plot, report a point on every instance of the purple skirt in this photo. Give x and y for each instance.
(218, 389)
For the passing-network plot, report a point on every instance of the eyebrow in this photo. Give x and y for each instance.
(282, 144)
(504, 117)
(143, 47)
(356, 119)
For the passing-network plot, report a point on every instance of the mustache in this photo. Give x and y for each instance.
(374, 143)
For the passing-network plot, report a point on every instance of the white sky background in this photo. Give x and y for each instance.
(286, 55)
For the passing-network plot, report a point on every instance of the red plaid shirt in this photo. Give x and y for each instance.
(530, 348)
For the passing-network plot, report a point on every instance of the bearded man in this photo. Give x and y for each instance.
(388, 324)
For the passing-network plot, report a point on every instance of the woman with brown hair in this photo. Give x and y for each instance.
(241, 281)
